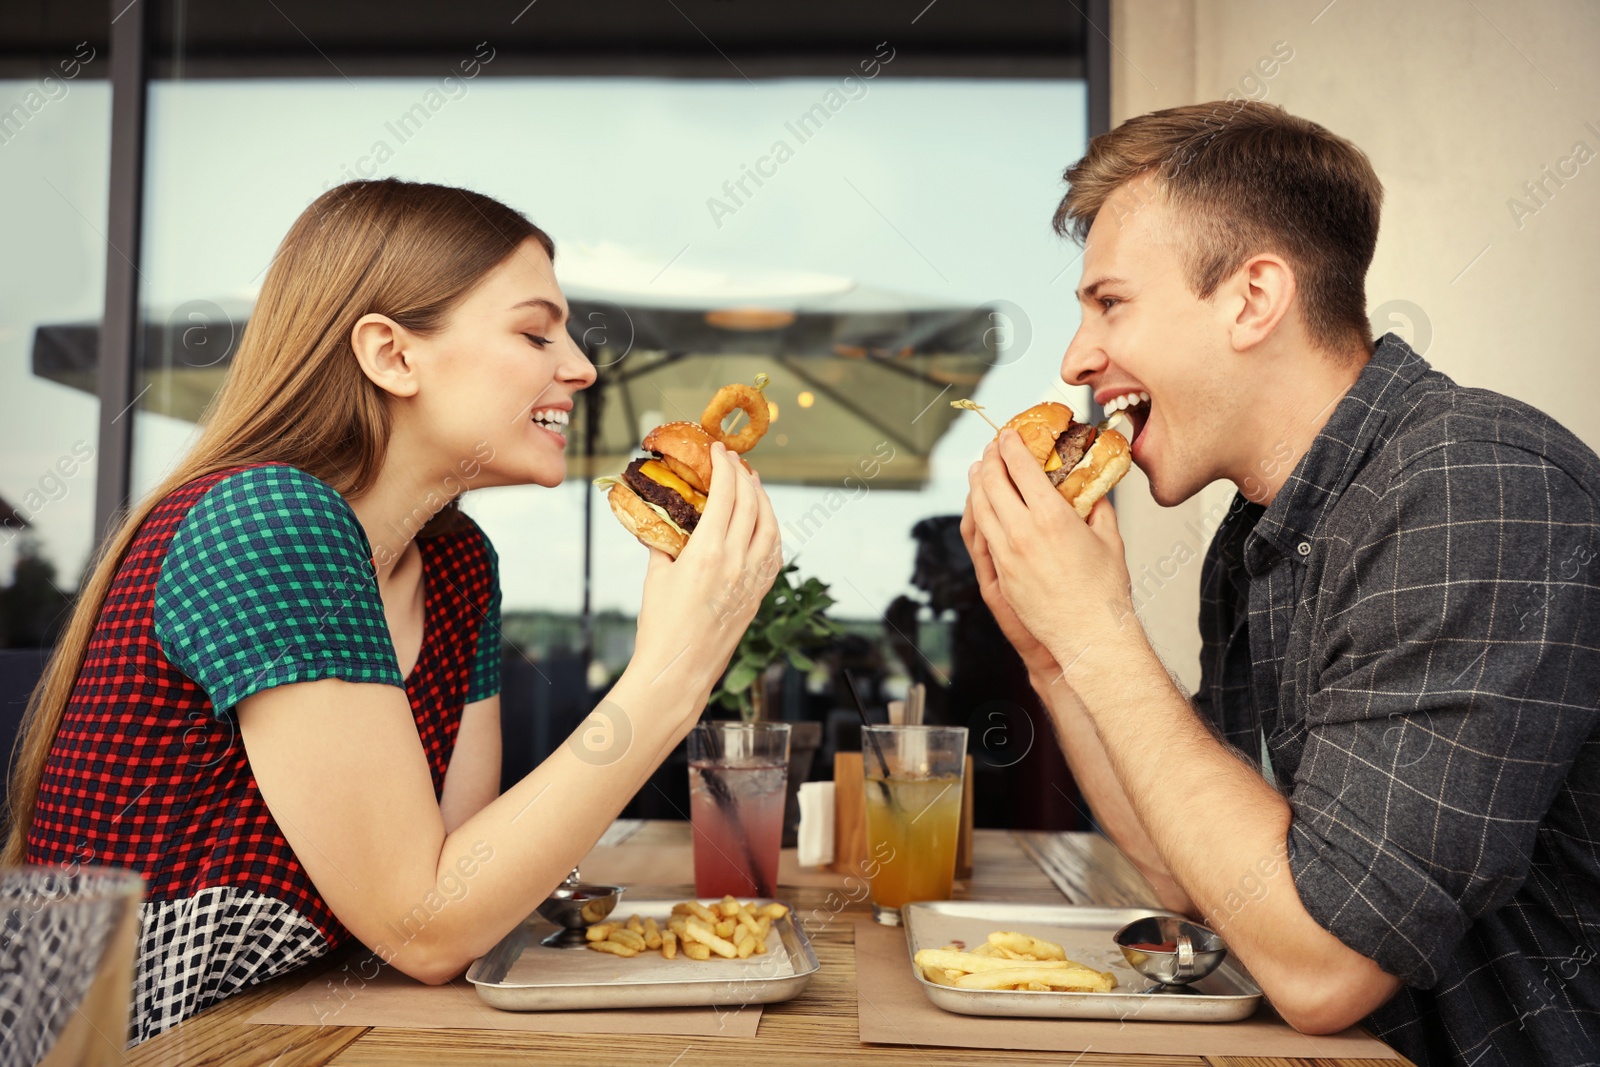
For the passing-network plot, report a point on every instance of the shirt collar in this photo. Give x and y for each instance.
(1336, 455)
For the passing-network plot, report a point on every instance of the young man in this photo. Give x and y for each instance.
(1386, 794)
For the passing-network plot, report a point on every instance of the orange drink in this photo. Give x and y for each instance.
(913, 812)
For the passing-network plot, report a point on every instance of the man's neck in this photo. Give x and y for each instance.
(1282, 429)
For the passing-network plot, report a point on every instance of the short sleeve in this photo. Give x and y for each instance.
(267, 581)
(1458, 688)
(485, 680)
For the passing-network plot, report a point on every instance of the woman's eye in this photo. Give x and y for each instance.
(1109, 302)
(536, 340)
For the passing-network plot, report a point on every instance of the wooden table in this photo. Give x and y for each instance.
(817, 1026)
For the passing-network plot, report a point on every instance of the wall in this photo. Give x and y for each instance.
(1458, 103)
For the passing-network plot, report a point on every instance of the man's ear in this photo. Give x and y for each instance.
(380, 347)
(1264, 290)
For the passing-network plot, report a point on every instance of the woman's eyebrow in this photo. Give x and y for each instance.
(557, 312)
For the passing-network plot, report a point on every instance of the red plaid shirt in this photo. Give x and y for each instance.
(144, 774)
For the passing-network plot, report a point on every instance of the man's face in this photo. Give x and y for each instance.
(1144, 331)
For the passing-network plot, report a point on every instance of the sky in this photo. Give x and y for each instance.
(939, 188)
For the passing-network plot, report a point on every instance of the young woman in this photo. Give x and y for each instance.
(278, 698)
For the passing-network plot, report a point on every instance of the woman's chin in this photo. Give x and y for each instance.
(547, 475)
(539, 470)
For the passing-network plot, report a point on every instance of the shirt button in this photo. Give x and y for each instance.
(1305, 548)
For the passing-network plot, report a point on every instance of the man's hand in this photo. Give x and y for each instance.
(1037, 658)
(1064, 581)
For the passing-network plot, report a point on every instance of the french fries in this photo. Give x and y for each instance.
(696, 930)
(729, 930)
(616, 948)
(1021, 946)
(1009, 960)
(1070, 979)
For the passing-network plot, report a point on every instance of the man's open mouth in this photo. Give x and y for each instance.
(1135, 406)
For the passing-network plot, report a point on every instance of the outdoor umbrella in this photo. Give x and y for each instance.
(851, 368)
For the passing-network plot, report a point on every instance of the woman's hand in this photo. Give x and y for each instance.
(697, 607)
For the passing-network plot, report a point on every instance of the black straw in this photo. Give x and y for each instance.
(869, 737)
(730, 810)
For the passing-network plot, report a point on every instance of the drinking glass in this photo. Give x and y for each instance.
(913, 798)
(68, 938)
(737, 774)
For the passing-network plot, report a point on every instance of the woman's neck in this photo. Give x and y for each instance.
(406, 494)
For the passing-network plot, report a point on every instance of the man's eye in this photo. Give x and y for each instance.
(536, 340)
(1109, 302)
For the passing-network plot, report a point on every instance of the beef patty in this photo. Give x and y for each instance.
(682, 512)
(1071, 446)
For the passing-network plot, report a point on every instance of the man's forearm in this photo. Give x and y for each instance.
(1096, 779)
(1218, 827)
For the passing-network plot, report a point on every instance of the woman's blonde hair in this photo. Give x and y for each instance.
(295, 393)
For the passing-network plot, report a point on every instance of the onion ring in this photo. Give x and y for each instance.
(745, 398)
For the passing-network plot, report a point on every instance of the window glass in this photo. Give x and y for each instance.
(939, 189)
(54, 159)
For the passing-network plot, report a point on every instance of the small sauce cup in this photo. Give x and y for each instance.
(1170, 951)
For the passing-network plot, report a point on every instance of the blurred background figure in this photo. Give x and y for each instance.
(1022, 780)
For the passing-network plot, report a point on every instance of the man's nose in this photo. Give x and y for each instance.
(1083, 359)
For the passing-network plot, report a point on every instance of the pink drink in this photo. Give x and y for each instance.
(736, 840)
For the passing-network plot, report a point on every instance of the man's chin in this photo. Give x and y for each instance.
(1164, 492)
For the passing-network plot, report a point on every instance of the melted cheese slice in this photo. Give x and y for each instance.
(661, 474)
(1053, 463)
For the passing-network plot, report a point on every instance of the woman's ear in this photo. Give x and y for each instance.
(380, 347)
(1267, 287)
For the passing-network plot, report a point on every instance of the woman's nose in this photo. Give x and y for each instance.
(578, 369)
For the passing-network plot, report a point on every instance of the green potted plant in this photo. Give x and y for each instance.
(791, 621)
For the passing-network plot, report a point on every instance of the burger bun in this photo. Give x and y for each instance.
(641, 520)
(686, 449)
(1108, 460)
(1039, 427)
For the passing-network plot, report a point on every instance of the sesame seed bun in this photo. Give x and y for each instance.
(686, 449)
(1108, 460)
(1039, 427)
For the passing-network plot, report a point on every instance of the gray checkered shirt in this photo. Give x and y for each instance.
(1413, 628)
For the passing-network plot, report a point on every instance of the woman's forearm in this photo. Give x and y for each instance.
(497, 866)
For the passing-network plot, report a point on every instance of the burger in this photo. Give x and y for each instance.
(1081, 461)
(659, 497)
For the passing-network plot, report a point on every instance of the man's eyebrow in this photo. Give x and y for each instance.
(1088, 291)
(549, 305)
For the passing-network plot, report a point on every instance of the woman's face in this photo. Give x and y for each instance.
(495, 388)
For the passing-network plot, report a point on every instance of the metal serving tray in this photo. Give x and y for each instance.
(1227, 994)
(519, 974)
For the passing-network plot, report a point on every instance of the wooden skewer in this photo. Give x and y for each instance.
(972, 405)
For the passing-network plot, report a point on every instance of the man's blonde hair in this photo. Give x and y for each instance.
(1246, 177)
